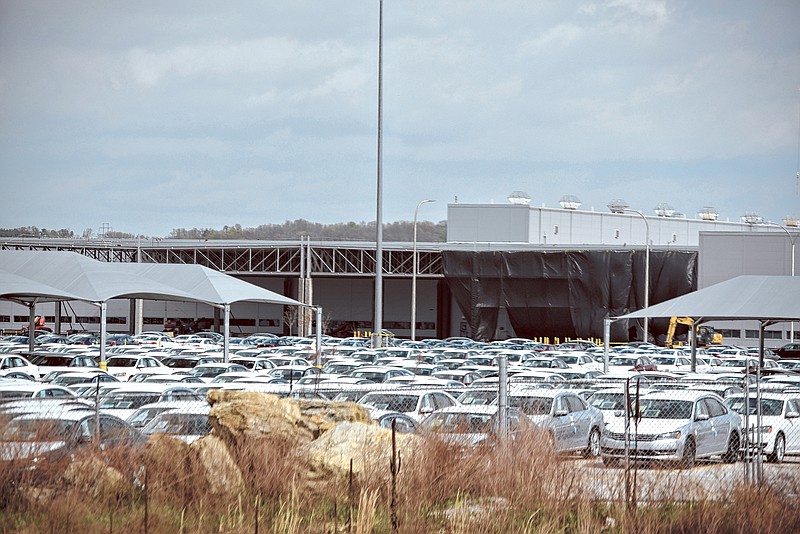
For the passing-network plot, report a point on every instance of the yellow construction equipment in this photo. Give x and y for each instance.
(705, 334)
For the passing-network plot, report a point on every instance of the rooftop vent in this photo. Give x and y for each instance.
(751, 217)
(617, 205)
(708, 213)
(664, 210)
(570, 202)
(519, 197)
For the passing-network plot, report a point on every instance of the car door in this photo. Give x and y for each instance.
(581, 421)
(791, 425)
(563, 429)
(720, 425)
(702, 428)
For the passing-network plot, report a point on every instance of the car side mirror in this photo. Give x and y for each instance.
(425, 410)
(792, 415)
(618, 413)
(561, 413)
(701, 417)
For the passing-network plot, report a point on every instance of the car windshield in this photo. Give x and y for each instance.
(532, 405)
(394, 403)
(569, 359)
(375, 376)
(536, 363)
(665, 409)
(52, 360)
(121, 362)
(36, 430)
(129, 401)
(768, 406)
(458, 423)
(185, 424)
(664, 360)
(608, 401)
(622, 361)
(734, 362)
(477, 397)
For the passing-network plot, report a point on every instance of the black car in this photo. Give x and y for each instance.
(790, 350)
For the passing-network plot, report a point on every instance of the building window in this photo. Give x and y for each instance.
(727, 332)
(768, 334)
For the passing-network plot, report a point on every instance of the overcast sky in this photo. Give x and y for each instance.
(154, 115)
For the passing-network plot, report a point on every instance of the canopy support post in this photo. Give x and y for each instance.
(226, 310)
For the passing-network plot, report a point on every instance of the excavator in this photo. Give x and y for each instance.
(705, 334)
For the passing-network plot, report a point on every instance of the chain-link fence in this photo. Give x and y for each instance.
(628, 441)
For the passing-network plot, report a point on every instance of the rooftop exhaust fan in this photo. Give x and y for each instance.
(617, 205)
(519, 197)
(664, 210)
(570, 202)
(708, 214)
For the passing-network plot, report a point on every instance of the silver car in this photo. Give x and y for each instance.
(573, 424)
(675, 425)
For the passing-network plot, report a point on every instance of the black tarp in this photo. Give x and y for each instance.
(564, 293)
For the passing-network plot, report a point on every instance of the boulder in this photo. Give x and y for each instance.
(368, 445)
(236, 414)
(92, 476)
(222, 475)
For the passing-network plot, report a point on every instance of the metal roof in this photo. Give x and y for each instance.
(775, 298)
(71, 276)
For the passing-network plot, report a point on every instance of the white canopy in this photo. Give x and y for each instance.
(29, 276)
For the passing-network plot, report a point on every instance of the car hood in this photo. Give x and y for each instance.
(646, 426)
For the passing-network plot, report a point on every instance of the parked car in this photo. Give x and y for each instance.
(467, 426)
(49, 440)
(184, 424)
(790, 350)
(415, 403)
(572, 424)
(675, 425)
(779, 433)
(15, 362)
(46, 363)
(123, 367)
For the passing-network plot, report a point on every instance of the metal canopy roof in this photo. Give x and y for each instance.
(775, 298)
(15, 287)
(71, 276)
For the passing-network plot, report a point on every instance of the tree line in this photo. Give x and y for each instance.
(427, 231)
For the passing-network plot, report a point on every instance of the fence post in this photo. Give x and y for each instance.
(502, 395)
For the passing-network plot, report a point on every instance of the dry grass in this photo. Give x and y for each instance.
(520, 486)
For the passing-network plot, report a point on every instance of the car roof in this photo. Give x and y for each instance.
(680, 394)
(482, 409)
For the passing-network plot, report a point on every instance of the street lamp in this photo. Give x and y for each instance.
(792, 240)
(414, 273)
(619, 206)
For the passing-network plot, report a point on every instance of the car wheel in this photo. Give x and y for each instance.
(689, 454)
(732, 454)
(779, 453)
(593, 449)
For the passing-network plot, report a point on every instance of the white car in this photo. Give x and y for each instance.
(415, 403)
(779, 433)
(15, 362)
(123, 367)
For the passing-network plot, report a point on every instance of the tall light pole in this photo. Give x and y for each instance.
(619, 206)
(792, 240)
(414, 273)
(378, 321)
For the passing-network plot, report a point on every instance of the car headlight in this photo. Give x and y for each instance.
(675, 434)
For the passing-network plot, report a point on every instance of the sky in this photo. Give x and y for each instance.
(147, 116)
